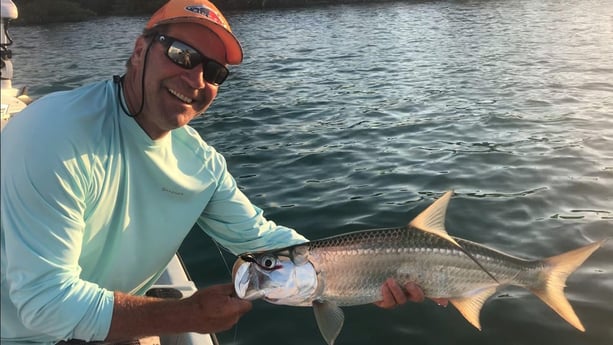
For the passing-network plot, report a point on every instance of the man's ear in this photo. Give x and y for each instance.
(138, 54)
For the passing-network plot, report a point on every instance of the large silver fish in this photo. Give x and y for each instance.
(350, 269)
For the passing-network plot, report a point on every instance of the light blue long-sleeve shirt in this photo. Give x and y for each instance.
(90, 204)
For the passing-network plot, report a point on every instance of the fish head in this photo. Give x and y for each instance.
(280, 277)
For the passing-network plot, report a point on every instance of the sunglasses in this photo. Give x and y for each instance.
(188, 57)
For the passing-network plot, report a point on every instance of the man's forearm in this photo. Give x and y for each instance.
(138, 316)
(209, 310)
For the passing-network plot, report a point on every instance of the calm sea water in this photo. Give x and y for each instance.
(359, 116)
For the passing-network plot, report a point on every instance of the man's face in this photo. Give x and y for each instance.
(175, 95)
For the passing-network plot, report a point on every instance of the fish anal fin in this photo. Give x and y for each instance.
(554, 280)
(330, 319)
(432, 219)
(470, 306)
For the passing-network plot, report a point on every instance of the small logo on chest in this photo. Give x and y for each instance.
(164, 189)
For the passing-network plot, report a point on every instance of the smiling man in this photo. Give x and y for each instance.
(101, 184)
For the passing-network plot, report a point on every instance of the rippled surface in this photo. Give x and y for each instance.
(353, 117)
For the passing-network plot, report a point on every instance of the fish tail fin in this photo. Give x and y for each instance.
(557, 269)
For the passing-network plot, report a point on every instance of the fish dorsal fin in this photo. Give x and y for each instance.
(330, 319)
(470, 306)
(432, 219)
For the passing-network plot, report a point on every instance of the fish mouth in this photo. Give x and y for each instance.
(243, 285)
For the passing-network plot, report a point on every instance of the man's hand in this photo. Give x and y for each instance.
(212, 309)
(394, 295)
(220, 309)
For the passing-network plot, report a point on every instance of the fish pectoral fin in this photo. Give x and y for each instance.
(470, 306)
(330, 319)
(432, 219)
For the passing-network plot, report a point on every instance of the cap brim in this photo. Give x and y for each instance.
(234, 51)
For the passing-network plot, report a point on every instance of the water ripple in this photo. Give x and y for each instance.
(359, 116)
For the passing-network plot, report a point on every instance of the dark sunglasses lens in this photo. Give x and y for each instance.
(188, 57)
(183, 55)
(215, 72)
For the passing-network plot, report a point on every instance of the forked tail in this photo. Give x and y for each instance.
(554, 276)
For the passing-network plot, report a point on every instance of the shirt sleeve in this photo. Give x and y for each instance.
(42, 204)
(239, 226)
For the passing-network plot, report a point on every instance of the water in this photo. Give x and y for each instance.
(358, 116)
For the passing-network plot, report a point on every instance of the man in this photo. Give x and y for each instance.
(100, 185)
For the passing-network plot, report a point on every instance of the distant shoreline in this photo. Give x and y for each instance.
(61, 11)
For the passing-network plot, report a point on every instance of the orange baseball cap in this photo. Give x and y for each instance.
(201, 12)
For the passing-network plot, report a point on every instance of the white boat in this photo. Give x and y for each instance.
(174, 281)
(13, 99)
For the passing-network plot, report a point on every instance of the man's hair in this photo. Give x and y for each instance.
(149, 35)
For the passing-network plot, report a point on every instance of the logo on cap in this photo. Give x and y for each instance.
(205, 11)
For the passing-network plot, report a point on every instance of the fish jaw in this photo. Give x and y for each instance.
(243, 285)
(287, 283)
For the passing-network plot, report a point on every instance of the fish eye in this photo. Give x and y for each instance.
(268, 262)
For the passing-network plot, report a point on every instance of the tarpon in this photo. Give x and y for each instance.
(350, 269)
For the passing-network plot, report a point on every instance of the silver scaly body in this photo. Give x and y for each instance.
(350, 269)
(354, 266)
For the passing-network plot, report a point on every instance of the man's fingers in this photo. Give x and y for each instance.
(400, 297)
(414, 292)
(386, 297)
(393, 294)
(243, 306)
(219, 308)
